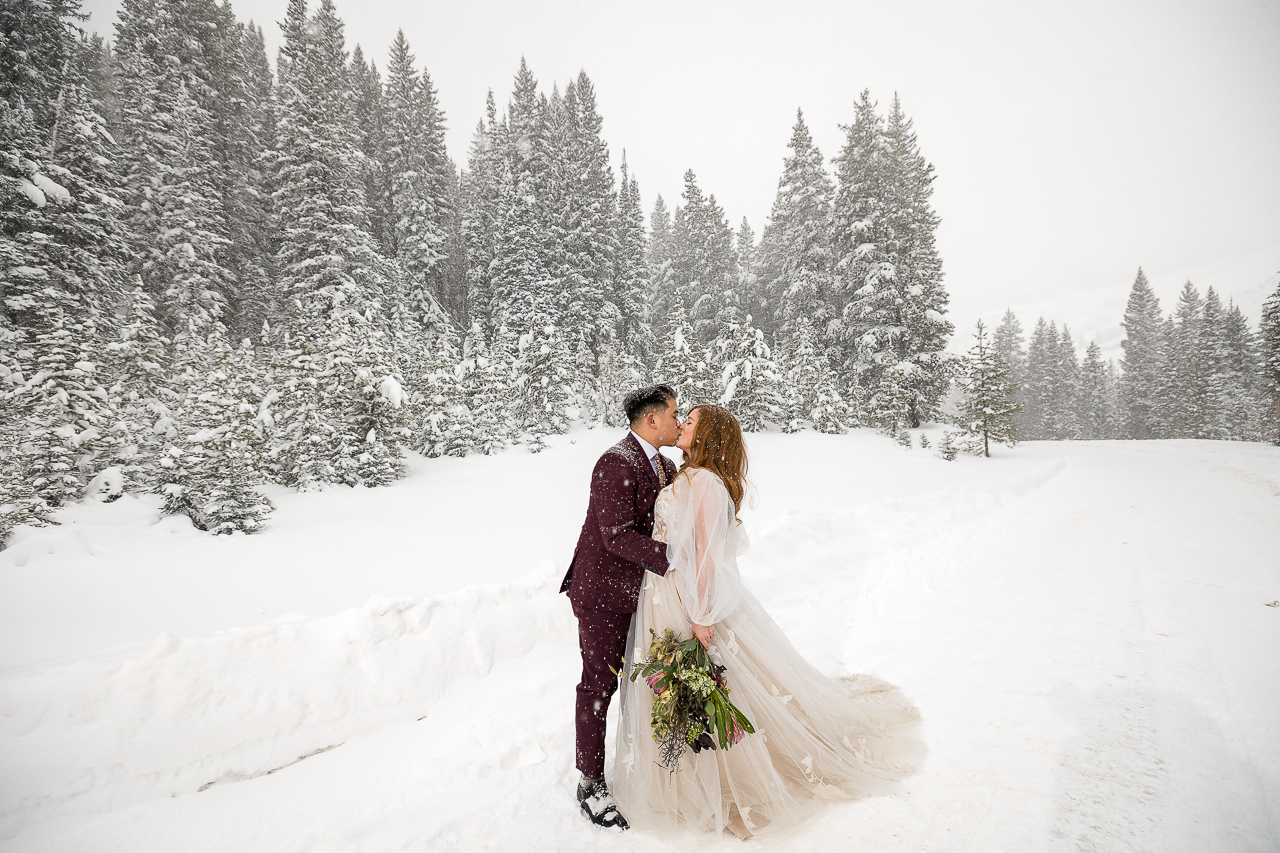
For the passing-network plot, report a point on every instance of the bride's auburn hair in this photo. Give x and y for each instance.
(719, 447)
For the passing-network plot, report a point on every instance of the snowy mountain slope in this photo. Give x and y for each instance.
(1082, 625)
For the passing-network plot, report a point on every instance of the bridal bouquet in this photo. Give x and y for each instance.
(690, 699)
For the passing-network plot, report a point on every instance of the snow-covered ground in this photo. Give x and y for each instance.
(1082, 625)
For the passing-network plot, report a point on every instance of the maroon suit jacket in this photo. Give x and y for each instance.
(615, 548)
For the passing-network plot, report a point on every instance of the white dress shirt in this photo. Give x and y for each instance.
(649, 451)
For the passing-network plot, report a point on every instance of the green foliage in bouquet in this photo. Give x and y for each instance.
(691, 699)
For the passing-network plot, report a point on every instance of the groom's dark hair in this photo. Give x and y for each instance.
(644, 401)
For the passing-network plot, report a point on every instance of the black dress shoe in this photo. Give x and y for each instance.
(597, 803)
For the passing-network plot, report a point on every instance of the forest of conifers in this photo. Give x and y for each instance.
(219, 272)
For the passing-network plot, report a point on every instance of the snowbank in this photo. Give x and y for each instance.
(196, 711)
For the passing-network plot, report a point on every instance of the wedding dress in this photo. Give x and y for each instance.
(816, 739)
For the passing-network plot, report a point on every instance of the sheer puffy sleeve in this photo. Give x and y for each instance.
(703, 543)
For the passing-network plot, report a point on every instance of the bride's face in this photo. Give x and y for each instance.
(685, 440)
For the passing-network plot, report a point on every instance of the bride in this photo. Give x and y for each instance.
(816, 738)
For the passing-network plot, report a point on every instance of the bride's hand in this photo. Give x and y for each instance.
(705, 634)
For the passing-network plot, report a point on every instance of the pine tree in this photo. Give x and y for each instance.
(630, 282)
(1063, 419)
(918, 267)
(521, 284)
(1040, 391)
(304, 433)
(61, 234)
(987, 413)
(751, 385)
(19, 503)
(1215, 358)
(702, 262)
(175, 142)
(684, 363)
(543, 382)
(362, 387)
(660, 293)
(1143, 363)
(747, 288)
(321, 201)
(1007, 342)
(480, 202)
(620, 373)
(486, 379)
(136, 366)
(65, 412)
(795, 251)
(1186, 380)
(1244, 407)
(887, 265)
(369, 119)
(860, 243)
(1269, 332)
(250, 129)
(1096, 413)
(214, 476)
(419, 175)
(585, 220)
(815, 398)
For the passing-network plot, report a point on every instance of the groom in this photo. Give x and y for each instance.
(605, 575)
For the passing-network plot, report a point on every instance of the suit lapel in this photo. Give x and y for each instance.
(644, 463)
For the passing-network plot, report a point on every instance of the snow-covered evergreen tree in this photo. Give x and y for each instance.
(135, 363)
(1269, 332)
(303, 435)
(19, 502)
(420, 177)
(61, 229)
(479, 201)
(360, 384)
(631, 277)
(1240, 373)
(751, 384)
(1040, 376)
(815, 398)
(702, 262)
(487, 381)
(988, 409)
(328, 260)
(1008, 343)
(620, 373)
(249, 120)
(214, 474)
(66, 414)
(543, 382)
(171, 57)
(1186, 381)
(888, 274)
(795, 251)
(579, 212)
(1096, 402)
(437, 409)
(660, 292)
(1143, 363)
(369, 123)
(1062, 417)
(684, 363)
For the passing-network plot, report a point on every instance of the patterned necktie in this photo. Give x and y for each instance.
(662, 471)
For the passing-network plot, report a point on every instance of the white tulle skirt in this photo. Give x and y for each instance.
(817, 738)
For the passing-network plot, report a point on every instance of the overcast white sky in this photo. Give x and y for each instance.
(1073, 142)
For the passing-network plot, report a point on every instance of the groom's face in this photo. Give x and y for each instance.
(665, 426)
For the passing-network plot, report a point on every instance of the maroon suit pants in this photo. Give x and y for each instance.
(602, 637)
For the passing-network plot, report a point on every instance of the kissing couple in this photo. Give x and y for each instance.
(659, 550)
